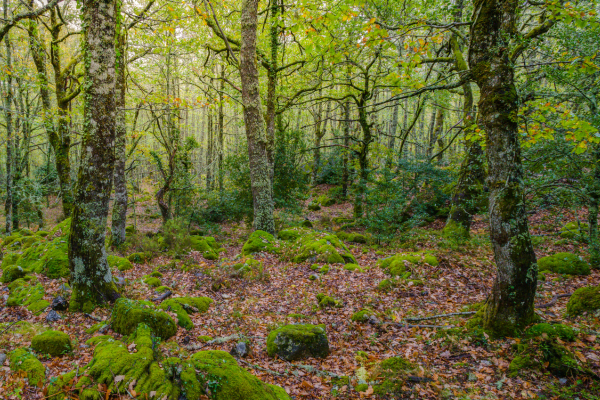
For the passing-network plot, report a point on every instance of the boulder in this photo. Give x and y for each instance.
(585, 299)
(55, 343)
(12, 273)
(564, 263)
(127, 314)
(23, 360)
(297, 342)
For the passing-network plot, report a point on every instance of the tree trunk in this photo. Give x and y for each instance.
(345, 160)
(258, 142)
(594, 193)
(8, 100)
(119, 211)
(221, 129)
(510, 306)
(91, 277)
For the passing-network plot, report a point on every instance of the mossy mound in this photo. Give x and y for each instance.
(23, 360)
(12, 273)
(386, 285)
(321, 248)
(205, 244)
(152, 281)
(573, 230)
(139, 258)
(27, 293)
(326, 301)
(391, 375)
(162, 289)
(585, 299)
(55, 343)
(156, 274)
(247, 268)
(154, 376)
(296, 342)
(183, 306)
(127, 314)
(362, 316)
(352, 237)
(289, 234)
(121, 263)
(398, 264)
(455, 231)
(260, 241)
(549, 331)
(314, 206)
(9, 259)
(353, 267)
(564, 263)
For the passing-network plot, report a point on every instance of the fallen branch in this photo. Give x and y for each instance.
(424, 326)
(441, 316)
(554, 300)
(92, 317)
(162, 296)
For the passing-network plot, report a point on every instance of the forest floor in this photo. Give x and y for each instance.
(457, 366)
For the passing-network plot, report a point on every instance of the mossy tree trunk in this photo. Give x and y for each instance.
(91, 277)
(594, 195)
(510, 305)
(8, 100)
(119, 212)
(258, 142)
(346, 152)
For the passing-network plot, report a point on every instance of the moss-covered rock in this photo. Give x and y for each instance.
(204, 338)
(326, 301)
(27, 293)
(397, 265)
(289, 234)
(573, 230)
(386, 285)
(321, 248)
(207, 245)
(455, 231)
(55, 343)
(162, 289)
(139, 258)
(585, 299)
(260, 241)
(564, 263)
(220, 372)
(12, 273)
(127, 314)
(353, 267)
(23, 360)
(551, 331)
(183, 306)
(152, 281)
(390, 375)
(156, 274)
(247, 268)
(296, 342)
(352, 237)
(121, 263)
(362, 316)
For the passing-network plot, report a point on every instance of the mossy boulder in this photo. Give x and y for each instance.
(455, 231)
(551, 331)
(353, 267)
(12, 273)
(386, 285)
(127, 314)
(564, 263)
(544, 352)
(260, 241)
(362, 316)
(207, 245)
(248, 268)
(573, 230)
(326, 301)
(321, 248)
(55, 343)
(121, 263)
(585, 299)
(152, 281)
(9, 259)
(23, 360)
(296, 342)
(27, 293)
(391, 375)
(139, 258)
(156, 274)
(397, 265)
(289, 234)
(220, 372)
(352, 237)
(183, 306)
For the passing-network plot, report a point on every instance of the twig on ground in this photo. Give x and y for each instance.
(441, 316)
(554, 300)
(162, 296)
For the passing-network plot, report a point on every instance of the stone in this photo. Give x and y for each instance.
(60, 304)
(241, 349)
(52, 316)
(2, 358)
(55, 343)
(297, 342)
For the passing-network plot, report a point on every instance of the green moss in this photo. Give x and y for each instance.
(29, 294)
(55, 343)
(520, 363)
(297, 316)
(10, 259)
(42, 233)
(95, 328)
(288, 234)
(585, 299)
(572, 230)
(23, 360)
(248, 268)
(326, 301)
(227, 381)
(353, 267)
(455, 231)
(138, 258)
(545, 330)
(322, 248)
(352, 237)
(151, 281)
(121, 263)
(205, 244)
(324, 269)
(361, 387)
(564, 263)
(156, 274)
(295, 342)
(162, 289)
(391, 375)
(385, 285)
(325, 201)
(12, 273)
(314, 206)
(260, 241)
(362, 315)
(204, 338)
(396, 265)
(56, 389)
(183, 306)
(127, 314)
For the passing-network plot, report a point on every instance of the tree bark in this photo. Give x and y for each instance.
(119, 211)
(510, 305)
(346, 152)
(258, 142)
(91, 277)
